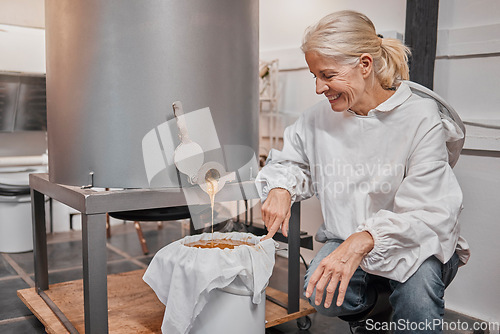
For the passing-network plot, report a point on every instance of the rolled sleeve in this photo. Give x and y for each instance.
(289, 168)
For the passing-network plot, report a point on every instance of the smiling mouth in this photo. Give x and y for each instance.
(334, 98)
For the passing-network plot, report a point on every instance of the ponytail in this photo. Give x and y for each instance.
(392, 65)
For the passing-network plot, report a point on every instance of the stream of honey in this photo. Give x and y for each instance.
(212, 188)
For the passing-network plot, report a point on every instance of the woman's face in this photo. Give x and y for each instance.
(343, 85)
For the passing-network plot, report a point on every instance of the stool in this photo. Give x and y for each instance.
(381, 310)
(160, 214)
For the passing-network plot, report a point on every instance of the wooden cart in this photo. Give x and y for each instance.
(132, 306)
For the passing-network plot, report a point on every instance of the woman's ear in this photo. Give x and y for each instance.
(366, 63)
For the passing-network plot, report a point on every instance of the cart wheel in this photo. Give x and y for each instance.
(304, 323)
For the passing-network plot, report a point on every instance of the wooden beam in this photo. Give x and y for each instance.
(421, 37)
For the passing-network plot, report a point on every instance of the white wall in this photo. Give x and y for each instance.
(22, 37)
(282, 22)
(475, 290)
(467, 75)
(25, 13)
(22, 49)
(468, 57)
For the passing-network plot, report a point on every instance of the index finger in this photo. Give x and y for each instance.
(284, 226)
(273, 229)
(314, 280)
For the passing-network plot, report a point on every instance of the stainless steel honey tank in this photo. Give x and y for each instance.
(115, 67)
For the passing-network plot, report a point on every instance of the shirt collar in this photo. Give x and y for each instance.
(402, 94)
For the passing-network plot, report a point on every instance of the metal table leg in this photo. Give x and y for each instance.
(294, 259)
(95, 288)
(39, 240)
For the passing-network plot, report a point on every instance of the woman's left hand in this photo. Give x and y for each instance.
(338, 267)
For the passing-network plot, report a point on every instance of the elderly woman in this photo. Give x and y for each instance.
(375, 155)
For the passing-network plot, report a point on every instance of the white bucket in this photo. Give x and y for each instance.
(15, 224)
(231, 311)
(213, 290)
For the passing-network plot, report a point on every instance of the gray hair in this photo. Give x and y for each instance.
(346, 35)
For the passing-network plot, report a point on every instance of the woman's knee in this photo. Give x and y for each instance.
(427, 280)
(422, 294)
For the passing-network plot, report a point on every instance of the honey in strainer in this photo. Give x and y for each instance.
(219, 243)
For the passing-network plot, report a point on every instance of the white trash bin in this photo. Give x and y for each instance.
(15, 208)
(15, 224)
(213, 290)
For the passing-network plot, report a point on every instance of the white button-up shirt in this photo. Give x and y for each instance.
(386, 173)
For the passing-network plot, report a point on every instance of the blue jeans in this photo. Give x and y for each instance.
(417, 304)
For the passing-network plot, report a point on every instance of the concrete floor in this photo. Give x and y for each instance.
(124, 254)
